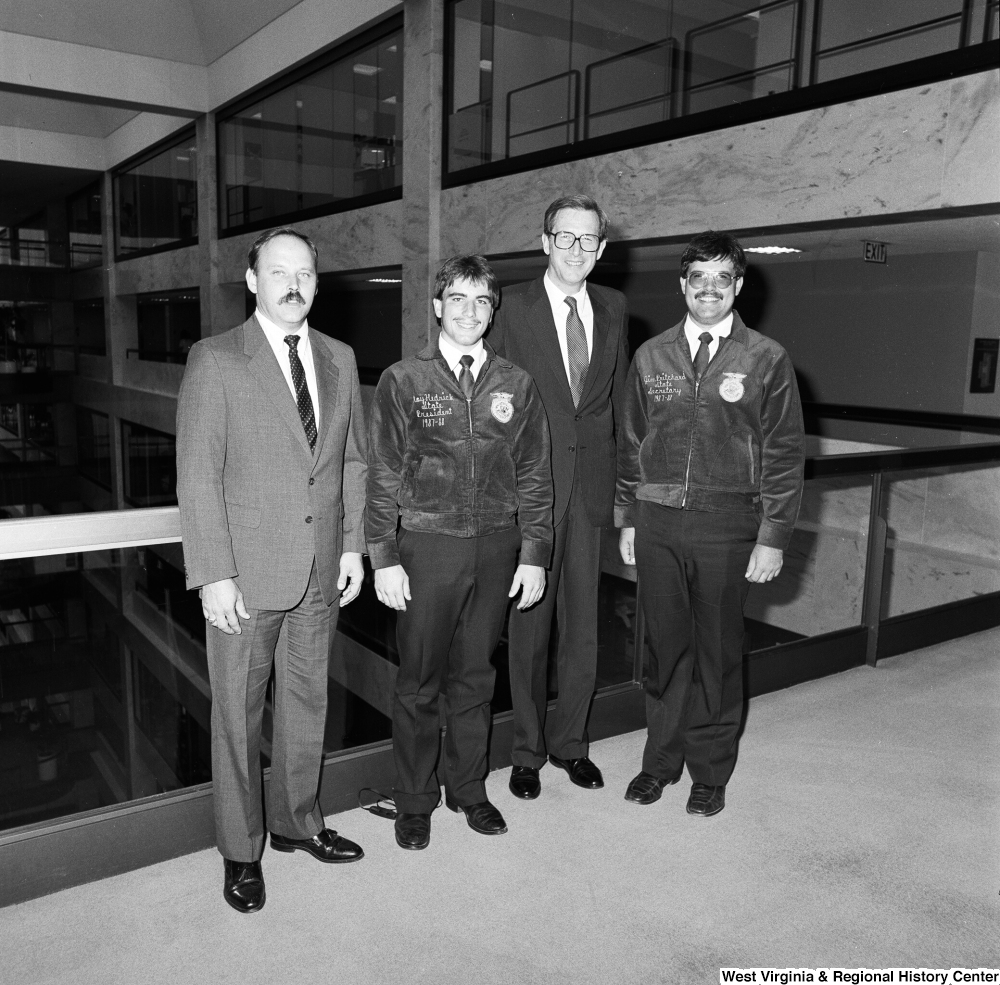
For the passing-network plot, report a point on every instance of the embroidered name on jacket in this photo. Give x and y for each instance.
(662, 386)
(432, 408)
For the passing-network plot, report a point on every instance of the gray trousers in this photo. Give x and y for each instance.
(296, 643)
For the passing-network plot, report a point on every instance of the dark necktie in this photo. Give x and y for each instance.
(702, 357)
(576, 349)
(302, 397)
(465, 380)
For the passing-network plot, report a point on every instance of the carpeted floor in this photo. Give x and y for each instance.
(861, 830)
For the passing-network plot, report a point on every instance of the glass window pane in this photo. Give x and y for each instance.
(150, 476)
(156, 201)
(334, 135)
(169, 323)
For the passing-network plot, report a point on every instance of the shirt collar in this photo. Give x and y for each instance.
(721, 331)
(557, 295)
(453, 355)
(273, 330)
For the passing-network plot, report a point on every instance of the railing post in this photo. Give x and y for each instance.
(871, 612)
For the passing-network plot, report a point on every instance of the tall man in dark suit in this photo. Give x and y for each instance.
(573, 339)
(271, 470)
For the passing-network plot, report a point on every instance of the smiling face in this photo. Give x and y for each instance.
(568, 269)
(464, 310)
(284, 282)
(711, 302)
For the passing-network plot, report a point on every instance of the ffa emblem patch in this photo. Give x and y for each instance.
(501, 408)
(731, 388)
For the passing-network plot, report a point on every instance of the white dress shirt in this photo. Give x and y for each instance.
(453, 356)
(276, 338)
(721, 331)
(560, 312)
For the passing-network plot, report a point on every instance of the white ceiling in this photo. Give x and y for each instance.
(60, 115)
(195, 32)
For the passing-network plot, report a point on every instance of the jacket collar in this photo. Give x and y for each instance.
(432, 352)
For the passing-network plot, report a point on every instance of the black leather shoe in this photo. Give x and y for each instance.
(243, 888)
(484, 817)
(706, 800)
(581, 771)
(413, 831)
(524, 782)
(327, 846)
(646, 788)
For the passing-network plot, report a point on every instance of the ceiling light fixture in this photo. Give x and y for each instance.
(361, 69)
(770, 249)
(385, 280)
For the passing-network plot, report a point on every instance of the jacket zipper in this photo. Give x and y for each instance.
(750, 453)
(472, 461)
(694, 415)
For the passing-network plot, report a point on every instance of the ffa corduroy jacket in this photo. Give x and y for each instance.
(441, 464)
(731, 443)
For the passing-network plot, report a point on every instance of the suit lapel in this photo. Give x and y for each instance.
(327, 383)
(265, 369)
(544, 330)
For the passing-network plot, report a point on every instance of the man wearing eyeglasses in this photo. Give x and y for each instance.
(572, 337)
(710, 470)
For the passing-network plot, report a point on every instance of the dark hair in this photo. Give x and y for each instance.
(582, 202)
(470, 267)
(265, 237)
(711, 245)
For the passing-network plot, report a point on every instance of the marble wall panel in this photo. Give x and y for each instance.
(870, 157)
(152, 377)
(355, 240)
(973, 139)
(839, 502)
(159, 271)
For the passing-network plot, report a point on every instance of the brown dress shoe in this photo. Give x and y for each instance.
(243, 888)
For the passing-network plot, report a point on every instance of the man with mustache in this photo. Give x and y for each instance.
(710, 471)
(271, 467)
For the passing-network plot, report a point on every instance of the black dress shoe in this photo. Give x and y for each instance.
(646, 788)
(581, 771)
(524, 782)
(327, 846)
(413, 831)
(705, 800)
(484, 817)
(243, 888)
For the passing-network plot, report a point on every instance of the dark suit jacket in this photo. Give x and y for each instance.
(583, 438)
(256, 505)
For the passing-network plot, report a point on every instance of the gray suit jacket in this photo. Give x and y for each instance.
(256, 505)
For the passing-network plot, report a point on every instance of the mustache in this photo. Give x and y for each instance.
(292, 295)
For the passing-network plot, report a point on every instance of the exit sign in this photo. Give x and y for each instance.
(875, 252)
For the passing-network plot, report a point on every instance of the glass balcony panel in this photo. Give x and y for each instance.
(150, 474)
(849, 21)
(943, 538)
(720, 94)
(918, 42)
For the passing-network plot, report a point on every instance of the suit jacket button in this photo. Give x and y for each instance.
(572, 447)
(312, 482)
(309, 519)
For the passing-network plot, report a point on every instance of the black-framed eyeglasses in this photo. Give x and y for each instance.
(700, 278)
(589, 243)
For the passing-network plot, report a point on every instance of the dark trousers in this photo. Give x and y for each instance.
(692, 588)
(571, 593)
(297, 643)
(445, 639)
